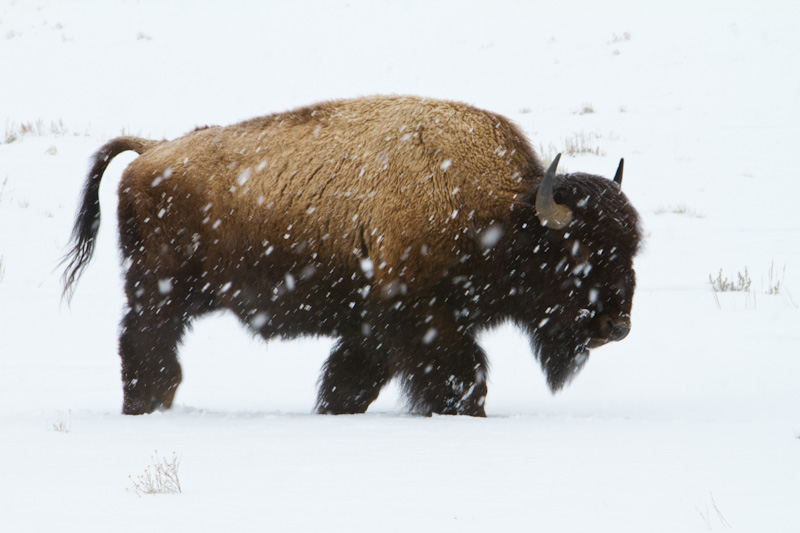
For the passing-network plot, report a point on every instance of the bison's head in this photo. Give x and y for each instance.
(578, 264)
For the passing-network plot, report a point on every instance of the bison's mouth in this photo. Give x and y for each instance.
(595, 342)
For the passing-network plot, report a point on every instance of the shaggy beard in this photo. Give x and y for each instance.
(561, 360)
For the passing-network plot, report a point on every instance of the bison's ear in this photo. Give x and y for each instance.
(551, 214)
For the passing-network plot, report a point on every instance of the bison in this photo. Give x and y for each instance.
(400, 226)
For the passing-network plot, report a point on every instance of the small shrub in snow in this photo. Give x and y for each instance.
(583, 143)
(773, 283)
(680, 209)
(161, 477)
(63, 424)
(723, 284)
(579, 143)
(620, 38)
(743, 281)
(15, 132)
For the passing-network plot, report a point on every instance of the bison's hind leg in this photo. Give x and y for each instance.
(352, 377)
(150, 369)
(158, 314)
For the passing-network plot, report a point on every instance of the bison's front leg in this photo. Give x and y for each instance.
(443, 372)
(352, 377)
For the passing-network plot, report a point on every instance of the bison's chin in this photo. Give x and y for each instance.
(560, 362)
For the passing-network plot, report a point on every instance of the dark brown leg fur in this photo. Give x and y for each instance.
(446, 375)
(158, 315)
(150, 369)
(352, 377)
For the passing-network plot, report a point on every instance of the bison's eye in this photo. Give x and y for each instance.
(579, 251)
(620, 290)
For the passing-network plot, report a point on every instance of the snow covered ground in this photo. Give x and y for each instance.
(690, 424)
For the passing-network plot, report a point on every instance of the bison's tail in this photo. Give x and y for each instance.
(87, 223)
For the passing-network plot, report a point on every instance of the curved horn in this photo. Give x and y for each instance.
(618, 175)
(551, 214)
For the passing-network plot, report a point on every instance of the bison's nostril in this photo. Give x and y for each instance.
(619, 331)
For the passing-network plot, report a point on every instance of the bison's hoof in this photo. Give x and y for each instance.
(143, 407)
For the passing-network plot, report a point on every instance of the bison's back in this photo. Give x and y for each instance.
(404, 181)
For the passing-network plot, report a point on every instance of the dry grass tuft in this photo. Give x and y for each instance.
(63, 424)
(580, 143)
(680, 209)
(743, 283)
(161, 477)
(723, 284)
(16, 131)
(774, 284)
(583, 143)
